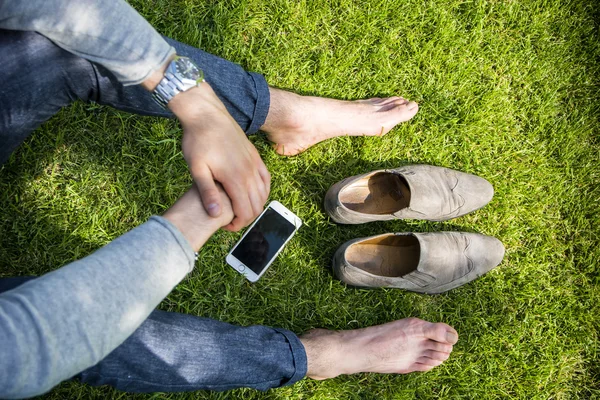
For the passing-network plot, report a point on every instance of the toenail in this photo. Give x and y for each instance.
(451, 337)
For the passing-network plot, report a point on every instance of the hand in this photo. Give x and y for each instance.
(189, 216)
(217, 150)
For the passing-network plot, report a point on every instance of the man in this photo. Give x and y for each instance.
(94, 317)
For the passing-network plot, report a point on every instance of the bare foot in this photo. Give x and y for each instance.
(295, 122)
(398, 347)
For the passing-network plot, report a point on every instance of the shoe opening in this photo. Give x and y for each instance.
(380, 194)
(390, 256)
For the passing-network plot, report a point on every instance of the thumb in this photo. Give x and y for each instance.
(208, 191)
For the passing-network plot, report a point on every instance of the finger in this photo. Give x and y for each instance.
(239, 222)
(264, 177)
(208, 190)
(242, 208)
(263, 190)
(263, 183)
(256, 199)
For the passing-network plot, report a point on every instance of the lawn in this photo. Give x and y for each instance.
(508, 90)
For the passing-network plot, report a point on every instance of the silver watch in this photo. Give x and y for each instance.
(181, 75)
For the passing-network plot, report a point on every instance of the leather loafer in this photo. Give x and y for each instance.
(410, 192)
(418, 262)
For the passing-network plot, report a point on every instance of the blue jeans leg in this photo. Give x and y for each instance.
(39, 78)
(172, 352)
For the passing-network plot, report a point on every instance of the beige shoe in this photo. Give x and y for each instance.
(410, 192)
(419, 262)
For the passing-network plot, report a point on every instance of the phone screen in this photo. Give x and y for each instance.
(264, 240)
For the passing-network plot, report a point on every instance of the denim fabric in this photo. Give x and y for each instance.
(38, 78)
(169, 351)
(172, 352)
(108, 32)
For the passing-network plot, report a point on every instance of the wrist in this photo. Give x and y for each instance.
(154, 79)
(178, 84)
(198, 102)
(195, 232)
(190, 218)
(193, 103)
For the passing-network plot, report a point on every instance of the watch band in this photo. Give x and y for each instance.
(168, 87)
(173, 83)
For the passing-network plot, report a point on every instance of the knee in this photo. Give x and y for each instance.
(32, 62)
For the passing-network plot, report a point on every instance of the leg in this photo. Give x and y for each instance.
(245, 94)
(174, 352)
(38, 78)
(292, 122)
(7, 284)
(177, 352)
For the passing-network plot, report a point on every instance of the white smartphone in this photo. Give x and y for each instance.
(263, 241)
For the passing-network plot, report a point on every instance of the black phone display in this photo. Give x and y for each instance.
(263, 240)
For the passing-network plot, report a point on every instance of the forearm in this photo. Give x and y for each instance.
(108, 32)
(68, 320)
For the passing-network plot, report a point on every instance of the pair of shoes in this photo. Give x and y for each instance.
(420, 262)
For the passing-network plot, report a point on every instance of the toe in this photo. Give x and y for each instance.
(429, 361)
(422, 367)
(436, 355)
(412, 105)
(440, 332)
(401, 102)
(405, 111)
(391, 100)
(438, 346)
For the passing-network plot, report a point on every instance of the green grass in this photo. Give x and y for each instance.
(508, 90)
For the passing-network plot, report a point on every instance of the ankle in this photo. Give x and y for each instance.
(324, 353)
(285, 112)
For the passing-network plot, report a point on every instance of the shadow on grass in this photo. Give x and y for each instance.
(92, 157)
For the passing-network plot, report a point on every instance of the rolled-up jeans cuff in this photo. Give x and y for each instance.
(298, 354)
(263, 102)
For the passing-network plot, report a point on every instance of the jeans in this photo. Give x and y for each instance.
(39, 78)
(169, 351)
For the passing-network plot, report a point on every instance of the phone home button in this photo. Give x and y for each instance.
(241, 268)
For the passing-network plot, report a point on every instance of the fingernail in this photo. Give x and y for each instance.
(213, 209)
(451, 337)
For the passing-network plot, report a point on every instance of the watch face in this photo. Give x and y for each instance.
(186, 69)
